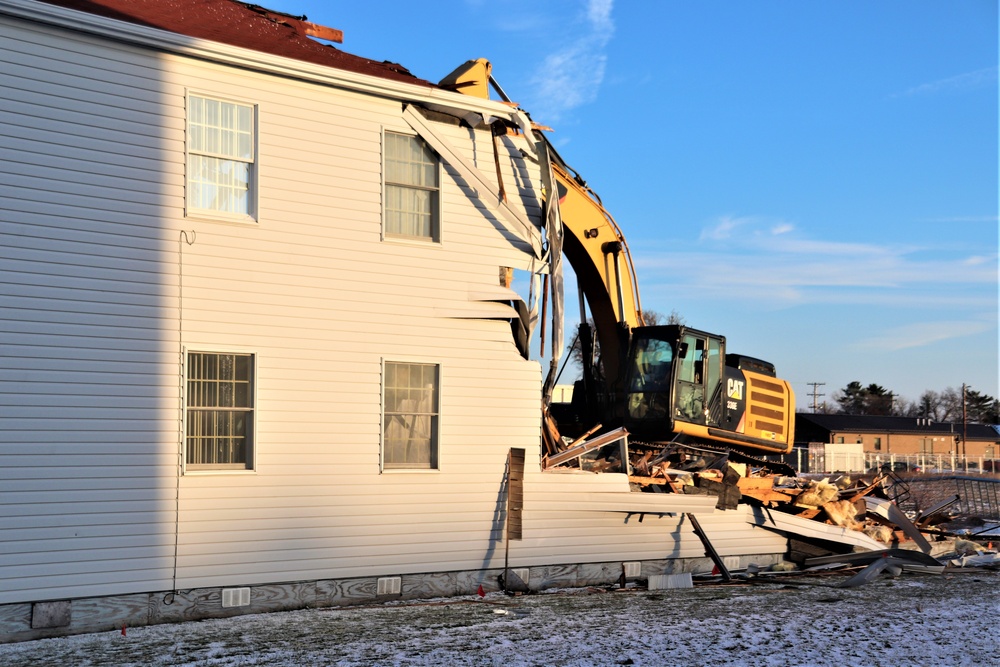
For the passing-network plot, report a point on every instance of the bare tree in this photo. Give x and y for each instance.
(951, 405)
(929, 406)
(673, 318)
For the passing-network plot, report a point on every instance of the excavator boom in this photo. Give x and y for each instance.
(663, 383)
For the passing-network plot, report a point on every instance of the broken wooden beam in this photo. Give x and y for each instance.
(709, 549)
(762, 489)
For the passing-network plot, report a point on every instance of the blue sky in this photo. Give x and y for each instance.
(817, 181)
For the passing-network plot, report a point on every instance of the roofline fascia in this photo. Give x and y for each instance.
(135, 34)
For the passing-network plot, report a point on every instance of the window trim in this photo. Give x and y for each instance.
(433, 240)
(253, 202)
(382, 412)
(251, 463)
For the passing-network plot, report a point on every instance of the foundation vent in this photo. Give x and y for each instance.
(522, 572)
(731, 562)
(235, 597)
(389, 586)
(633, 569)
(659, 582)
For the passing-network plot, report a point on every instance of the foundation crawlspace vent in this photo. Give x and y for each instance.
(659, 582)
(389, 586)
(235, 597)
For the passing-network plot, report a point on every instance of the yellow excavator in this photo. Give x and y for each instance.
(668, 383)
(662, 383)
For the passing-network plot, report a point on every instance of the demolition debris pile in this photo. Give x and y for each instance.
(917, 530)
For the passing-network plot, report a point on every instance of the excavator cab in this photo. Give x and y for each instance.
(673, 374)
(680, 383)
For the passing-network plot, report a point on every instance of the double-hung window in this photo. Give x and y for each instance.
(411, 188)
(220, 157)
(220, 411)
(410, 416)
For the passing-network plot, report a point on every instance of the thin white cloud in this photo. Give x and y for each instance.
(566, 80)
(723, 228)
(751, 259)
(599, 15)
(877, 269)
(921, 334)
(571, 76)
(966, 81)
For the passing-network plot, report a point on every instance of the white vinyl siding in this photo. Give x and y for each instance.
(107, 284)
(220, 156)
(219, 401)
(410, 417)
(411, 188)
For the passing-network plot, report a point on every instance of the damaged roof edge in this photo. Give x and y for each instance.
(140, 35)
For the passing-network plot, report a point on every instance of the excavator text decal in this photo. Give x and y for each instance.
(734, 390)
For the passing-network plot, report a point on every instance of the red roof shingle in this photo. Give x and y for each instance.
(238, 24)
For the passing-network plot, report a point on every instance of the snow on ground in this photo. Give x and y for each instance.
(927, 620)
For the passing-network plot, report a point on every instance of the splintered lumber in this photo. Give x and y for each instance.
(762, 489)
(676, 487)
(550, 434)
(646, 481)
(585, 436)
(860, 493)
(641, 464)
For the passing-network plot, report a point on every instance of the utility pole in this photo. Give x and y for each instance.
(965, 427)
(815, 394)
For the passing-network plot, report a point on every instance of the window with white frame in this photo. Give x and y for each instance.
(410, 416)
(411, 188)
(220, 411)
(220, 156)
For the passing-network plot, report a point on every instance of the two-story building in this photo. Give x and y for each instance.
(258, 348)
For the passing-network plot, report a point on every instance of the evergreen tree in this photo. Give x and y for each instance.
(851, 399)
(981, 408)
(877, 400)
(943, 406)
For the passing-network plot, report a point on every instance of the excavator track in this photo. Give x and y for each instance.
(701, 448)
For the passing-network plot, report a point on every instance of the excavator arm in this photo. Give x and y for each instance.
(665, 383)
(596, 249)
(735, 406)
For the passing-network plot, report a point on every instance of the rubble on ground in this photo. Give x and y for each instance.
(871, 504)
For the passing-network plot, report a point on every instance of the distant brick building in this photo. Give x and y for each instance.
(900, 435)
